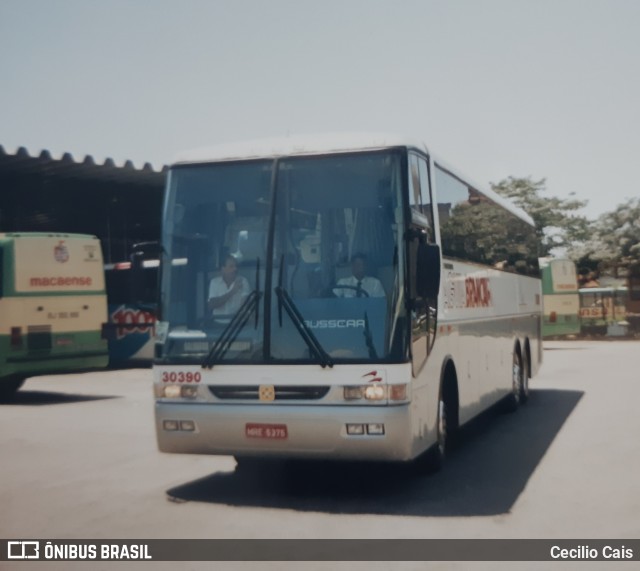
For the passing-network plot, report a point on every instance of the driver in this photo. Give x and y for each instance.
(228, 291)
(360, 284)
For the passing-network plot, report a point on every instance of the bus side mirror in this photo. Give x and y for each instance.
(428, 270)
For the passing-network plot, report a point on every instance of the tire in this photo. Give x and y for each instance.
(524, 388)
(513, 401)
(434, 458)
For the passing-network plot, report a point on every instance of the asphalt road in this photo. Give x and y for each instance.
(79, 460)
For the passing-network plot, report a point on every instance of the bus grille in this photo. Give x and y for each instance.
(39, 338)
(251, 392)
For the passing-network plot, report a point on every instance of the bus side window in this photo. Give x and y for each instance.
(420, 193)
(427, 202)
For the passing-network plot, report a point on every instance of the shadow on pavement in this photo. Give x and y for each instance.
(42, 398)
(484, 475)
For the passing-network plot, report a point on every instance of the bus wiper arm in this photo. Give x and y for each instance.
(368, 338)
(230, 332)
(307, 335)
(238, 321)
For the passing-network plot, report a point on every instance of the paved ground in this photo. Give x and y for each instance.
(79, 460)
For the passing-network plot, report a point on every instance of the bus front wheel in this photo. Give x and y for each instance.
(433, 459)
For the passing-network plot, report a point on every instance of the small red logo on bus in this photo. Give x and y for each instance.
(131, 321)
(61, 252)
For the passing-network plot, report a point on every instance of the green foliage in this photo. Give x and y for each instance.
(617, 237)
(479, 232)
(611, 243)
(556, 221)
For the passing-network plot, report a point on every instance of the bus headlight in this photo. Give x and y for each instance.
(188, 392)
(355, 429)
(353, 393)
(171, 391)
(376, 428)
(176, 391)
(398, 392)
(375, 392)
(371, 429)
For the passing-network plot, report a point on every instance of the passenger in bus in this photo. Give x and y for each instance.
(228, 291)
(359, 284)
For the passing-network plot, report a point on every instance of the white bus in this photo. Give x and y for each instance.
(52, 306)
(311, 362)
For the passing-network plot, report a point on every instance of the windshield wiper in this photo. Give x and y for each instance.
(307, 335)
(238, 321)
(368, 338)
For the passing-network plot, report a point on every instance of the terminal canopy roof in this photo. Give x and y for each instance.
(121, 204)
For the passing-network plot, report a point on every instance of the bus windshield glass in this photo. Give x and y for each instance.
(292, 260)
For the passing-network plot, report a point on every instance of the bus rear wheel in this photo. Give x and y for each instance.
(524, 387)
(514, 400)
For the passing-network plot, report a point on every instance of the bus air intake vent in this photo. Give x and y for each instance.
(252, 392)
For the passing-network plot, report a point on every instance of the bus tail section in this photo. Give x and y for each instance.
(52, 306)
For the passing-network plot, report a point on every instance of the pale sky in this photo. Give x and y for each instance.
(541, 88)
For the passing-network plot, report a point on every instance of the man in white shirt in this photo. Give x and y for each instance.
(360, 284)
(228, 291)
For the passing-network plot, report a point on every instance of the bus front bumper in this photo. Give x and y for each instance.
(286, 431)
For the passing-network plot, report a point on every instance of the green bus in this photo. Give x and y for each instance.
(52, 306)
(560, 297)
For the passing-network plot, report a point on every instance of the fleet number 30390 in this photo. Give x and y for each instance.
(181, 377)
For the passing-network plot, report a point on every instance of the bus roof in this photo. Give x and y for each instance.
(301, 145)
(296, 145)
(549, 260)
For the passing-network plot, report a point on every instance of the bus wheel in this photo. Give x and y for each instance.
(524, 387)
(9, 386)
(440, 451)
(517, 380)
(433, 459)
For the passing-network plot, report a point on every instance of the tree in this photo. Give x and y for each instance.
(615, 242)
(557, 225)
(477, 231)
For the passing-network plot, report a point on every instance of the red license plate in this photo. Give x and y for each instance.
(270, 431)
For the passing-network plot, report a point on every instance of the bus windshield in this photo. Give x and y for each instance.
(289, 260)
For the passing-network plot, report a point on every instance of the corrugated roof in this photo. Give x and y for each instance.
(21, 161)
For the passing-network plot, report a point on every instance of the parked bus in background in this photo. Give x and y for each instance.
(132, 314)
(381, 301)
(633, 303)
(561, 300)
(52, 306)
(603, 310)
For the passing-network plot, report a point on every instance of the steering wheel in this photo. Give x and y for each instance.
(355, 288)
